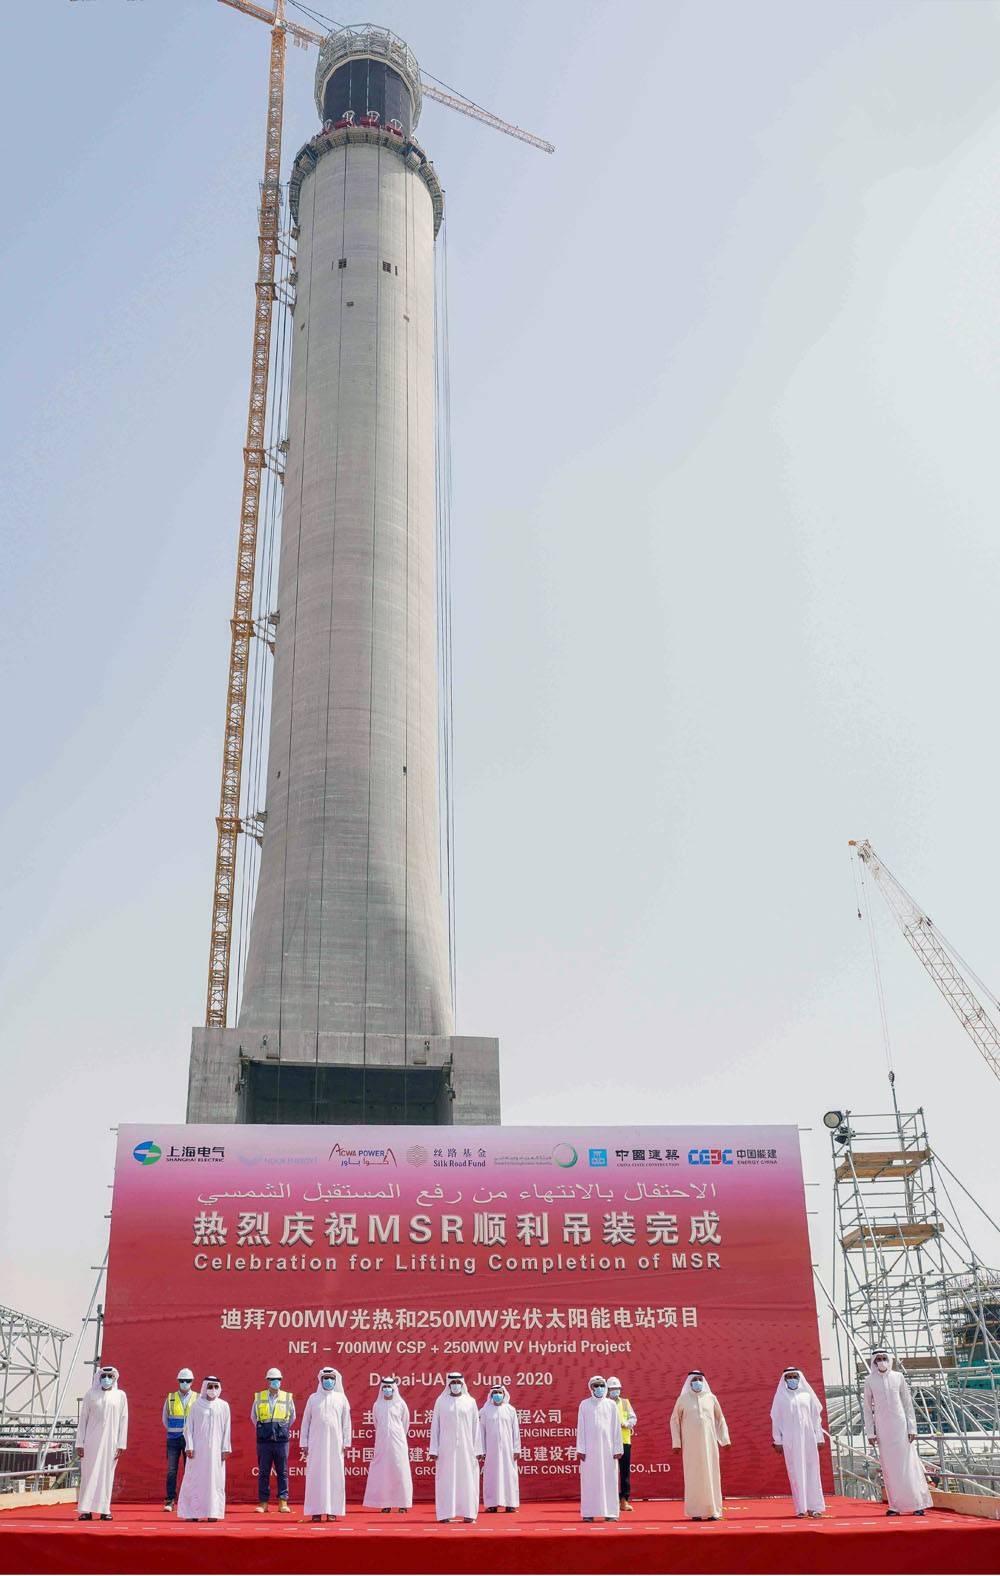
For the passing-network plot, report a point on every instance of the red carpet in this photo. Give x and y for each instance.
(757, 1535)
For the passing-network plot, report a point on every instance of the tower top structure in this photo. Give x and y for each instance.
(369, 71)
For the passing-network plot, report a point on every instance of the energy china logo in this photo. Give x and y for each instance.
(147, 1153)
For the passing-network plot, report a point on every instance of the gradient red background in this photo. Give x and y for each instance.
(756, 1312)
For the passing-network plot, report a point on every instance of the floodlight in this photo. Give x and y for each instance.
(833, 1119)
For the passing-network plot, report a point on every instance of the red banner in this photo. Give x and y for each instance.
(535, 1256)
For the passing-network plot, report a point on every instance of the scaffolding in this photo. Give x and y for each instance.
(907, 1277)
(31, 1361)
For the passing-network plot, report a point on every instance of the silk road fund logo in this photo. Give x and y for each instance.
(147, 1153)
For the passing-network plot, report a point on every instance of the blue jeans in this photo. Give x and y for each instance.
(272, 1453)
(175, 1449)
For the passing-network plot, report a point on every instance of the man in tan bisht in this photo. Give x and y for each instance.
(698, 1428)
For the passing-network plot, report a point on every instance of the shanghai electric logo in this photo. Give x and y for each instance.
(147, 1153)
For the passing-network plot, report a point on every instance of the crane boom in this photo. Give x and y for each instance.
(228, 823)
(476, 112)
(943, 964)
(305, 35)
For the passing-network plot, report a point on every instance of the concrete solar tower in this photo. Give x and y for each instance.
(346, 1010)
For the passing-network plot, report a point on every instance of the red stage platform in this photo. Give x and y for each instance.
(756, 1535)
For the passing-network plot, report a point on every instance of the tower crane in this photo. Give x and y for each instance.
(229, 823)
(949, 971)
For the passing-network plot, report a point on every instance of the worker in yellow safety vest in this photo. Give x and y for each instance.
(628, 1422)
(273, 1413)
(175, 1410)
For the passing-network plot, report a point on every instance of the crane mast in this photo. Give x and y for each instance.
(229, 824)
(939, 958)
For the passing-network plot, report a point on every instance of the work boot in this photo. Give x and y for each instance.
(284, 1507)
(624, 1505)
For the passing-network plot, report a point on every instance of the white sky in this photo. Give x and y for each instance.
(725, 377)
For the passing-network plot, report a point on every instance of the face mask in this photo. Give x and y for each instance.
(497, 1398)
(882, 1365)
(106, 1381)
(328, 1384)
(184, 1384)
(212, 1391)
(792, 1384)
(388, 1390)
(614, 1394)
(599, 1390)
(274, 1384)
(455, 1389)
(697, 1385)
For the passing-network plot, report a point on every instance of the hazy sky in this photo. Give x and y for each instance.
(726, 405)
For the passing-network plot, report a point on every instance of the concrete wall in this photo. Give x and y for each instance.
(348, 933)
(213, 1089)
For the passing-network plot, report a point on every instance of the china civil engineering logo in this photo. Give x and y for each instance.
(565, 1155)
(147, 1153)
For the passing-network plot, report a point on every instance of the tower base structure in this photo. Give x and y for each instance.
(244, 1075)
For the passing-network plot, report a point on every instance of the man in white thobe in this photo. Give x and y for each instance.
(891, 1424)
(455, 1444)
(207, 1443)
(698, 1428)
(797, 1431)
(101, 1436)
(598, 1449)
(390, 1481)
(324, 1435)
(502, 1439)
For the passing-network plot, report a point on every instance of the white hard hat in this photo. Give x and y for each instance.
(614, 1384)
(185, 1373)
(273, 1373)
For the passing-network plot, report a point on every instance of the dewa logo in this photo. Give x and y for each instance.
(147, 1153)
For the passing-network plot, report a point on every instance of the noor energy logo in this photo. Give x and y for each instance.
(147, 1153)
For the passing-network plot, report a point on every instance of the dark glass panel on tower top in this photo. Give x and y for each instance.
(365, 85)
